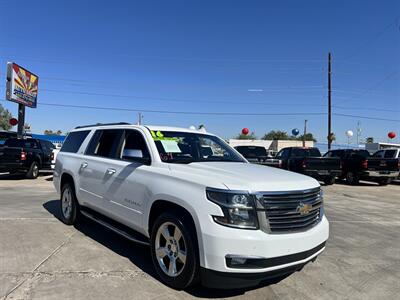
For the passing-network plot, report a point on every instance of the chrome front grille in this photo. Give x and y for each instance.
(292, 211)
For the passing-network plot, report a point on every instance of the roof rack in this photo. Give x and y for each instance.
(103, 124)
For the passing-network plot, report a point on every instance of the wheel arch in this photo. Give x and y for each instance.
(160, 205)
(66, 177)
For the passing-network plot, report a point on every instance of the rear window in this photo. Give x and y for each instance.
(27, 144)
(251, 151)
(358, 153)
(310, 152)
(74, 141)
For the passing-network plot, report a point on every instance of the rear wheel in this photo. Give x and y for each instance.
(68, 204)
(174, 251)
(329, 180)
(33, 171)
(384, 181)
(352, 178)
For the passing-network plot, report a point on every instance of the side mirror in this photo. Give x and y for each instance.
(132, 153)
(135, 155)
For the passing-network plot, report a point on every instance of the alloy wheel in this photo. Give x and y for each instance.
(170, 247)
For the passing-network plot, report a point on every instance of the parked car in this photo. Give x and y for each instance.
(359, 165)
(254, 154)
(207, 214)
(308, 161)
(26, 156)
(389, 153)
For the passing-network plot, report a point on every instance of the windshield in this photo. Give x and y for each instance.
(187, 147)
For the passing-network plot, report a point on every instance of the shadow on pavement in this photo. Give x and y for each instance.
(139, 255)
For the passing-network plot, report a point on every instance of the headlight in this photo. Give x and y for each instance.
(238, 208)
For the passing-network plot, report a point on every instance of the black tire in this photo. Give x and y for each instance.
(72, 216)
(384, 181)
(329, 180)
(33, 171)
(189, 275)
(352, 178)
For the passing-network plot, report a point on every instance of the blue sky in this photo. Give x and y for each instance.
(205, 56)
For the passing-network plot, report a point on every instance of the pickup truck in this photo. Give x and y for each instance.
(308, 161)
(254, 154)
(359, 165)
(207, 214)
(26, 156)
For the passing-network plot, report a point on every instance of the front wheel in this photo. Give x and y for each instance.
(174, 251)
(329, 180)
(352, 178)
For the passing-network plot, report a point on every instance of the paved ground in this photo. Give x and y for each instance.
(41, 258)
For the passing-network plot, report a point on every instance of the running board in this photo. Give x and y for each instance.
(120, 229)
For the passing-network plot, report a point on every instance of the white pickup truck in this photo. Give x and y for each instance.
(207, 214)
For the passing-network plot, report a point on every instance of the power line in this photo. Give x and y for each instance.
(364, 45)
(366, 117)
(178, 112)
(209, 113)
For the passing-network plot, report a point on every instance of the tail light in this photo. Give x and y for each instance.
(364, 164)
(304, 164)
(23, 155)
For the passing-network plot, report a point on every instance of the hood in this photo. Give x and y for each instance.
(243, 176)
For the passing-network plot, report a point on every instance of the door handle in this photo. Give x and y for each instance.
(111, 171)
(84, 165)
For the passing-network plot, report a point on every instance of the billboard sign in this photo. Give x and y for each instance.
(22, 85)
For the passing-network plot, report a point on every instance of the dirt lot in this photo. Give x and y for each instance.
(41, 258)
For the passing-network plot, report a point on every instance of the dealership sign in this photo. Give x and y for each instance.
(22, 85)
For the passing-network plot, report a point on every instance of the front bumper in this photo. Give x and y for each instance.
(278, 251)
(223, 280)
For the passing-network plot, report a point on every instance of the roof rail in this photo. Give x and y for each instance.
(103, 124)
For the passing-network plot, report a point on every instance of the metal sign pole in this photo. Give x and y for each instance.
(21, 120)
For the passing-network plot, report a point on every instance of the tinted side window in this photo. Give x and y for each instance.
(284, 153)
(378, 154)
(105, 143)
(133, 141)
(390, 153)
(74, 141)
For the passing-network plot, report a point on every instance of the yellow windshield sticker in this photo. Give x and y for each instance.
(159, 134)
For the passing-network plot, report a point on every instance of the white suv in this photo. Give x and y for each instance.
(206, 212)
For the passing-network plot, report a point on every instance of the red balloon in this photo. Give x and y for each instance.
(392, 135)
(245, 131)
(13, 121)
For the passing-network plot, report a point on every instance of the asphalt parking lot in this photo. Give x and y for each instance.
(41, 258)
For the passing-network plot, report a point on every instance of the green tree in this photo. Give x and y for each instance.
(276, 135)
(51, 132)
(250, 136)
(5, 117)
(308, 137)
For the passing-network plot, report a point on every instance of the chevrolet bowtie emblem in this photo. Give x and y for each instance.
(303, 209)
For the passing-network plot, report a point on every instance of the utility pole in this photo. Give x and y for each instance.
(358, 133)
(329, 103)
(305, 132)
(140, 117)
